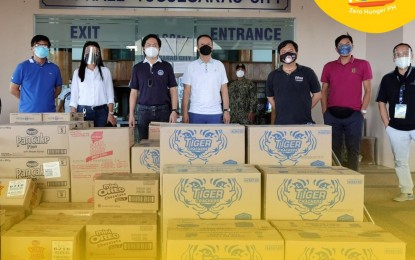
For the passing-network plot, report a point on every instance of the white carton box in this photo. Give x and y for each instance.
(312, 193)
(145, 157)
(202, 144)
(338, 240)
(289, 145)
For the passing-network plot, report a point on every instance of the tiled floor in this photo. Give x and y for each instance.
(396, 217)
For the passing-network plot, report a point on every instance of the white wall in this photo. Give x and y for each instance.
(314, 31)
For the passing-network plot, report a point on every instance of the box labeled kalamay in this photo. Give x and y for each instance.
(145, 157)
(16, 192)
(312, 193)
(53, 117)
(47, 172)
(25, 242)
(26, 118)
(121, 235)
(35, 139)
(100, 150)
(223, 239)
(202, 144)
(126, 192)
(289, 145)
(339, 240)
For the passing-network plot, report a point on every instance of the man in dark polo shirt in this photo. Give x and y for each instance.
(153, 87)
(292, 90)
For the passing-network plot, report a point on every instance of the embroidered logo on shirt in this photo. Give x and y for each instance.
(160, 72)
(299, 79)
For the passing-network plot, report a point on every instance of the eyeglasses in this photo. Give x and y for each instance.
(42, 45)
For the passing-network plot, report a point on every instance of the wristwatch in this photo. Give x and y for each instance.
(175, 110)
(364, 111)
(227, 110)
(111, 113)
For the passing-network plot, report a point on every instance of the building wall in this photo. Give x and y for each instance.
(314, 31)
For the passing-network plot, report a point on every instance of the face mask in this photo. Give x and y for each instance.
(92, 57)
(41, 52)
(205, 50)
(345, 50)
(240, 73)
(288, 57)
(151, 52)
(403, 62)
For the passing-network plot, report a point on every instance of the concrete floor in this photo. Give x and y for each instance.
(396, 217)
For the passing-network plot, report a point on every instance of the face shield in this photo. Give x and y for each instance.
(91, 55)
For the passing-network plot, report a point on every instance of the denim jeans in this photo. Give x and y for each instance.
(400, 143)
(147, 114)
(349, 129)
(99, 116)
(205, 119)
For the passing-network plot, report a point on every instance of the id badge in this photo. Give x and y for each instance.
(400, 110)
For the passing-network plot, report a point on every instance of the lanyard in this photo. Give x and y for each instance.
(402, 88)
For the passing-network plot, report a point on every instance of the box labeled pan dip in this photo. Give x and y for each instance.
(26, 118)
(145, 157)
(223, 240)
(35, 139)
(289, 145)
(46, 172)
(43, 242)
(110, 235)
(53, 117)
(202, 144)
(126, 193)
(312, 193)
(100, 150)
(338, 240)
(16, 192)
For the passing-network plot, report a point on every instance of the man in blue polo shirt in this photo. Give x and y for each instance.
(292, 90)
(36, 82)
(153, 87)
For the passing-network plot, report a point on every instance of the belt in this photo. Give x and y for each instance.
(155, 107)
(95, 107)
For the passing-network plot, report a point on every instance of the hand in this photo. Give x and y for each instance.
(185, 118)
(226, 117)
(251, 117)
(111, 119)
(131, 120)
(173, 117)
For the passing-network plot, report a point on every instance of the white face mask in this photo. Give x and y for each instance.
(151, 52)
(403, 62)
(240, 73)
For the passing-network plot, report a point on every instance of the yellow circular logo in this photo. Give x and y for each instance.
(372, 16)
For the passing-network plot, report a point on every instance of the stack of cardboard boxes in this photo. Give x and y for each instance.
(195, 192)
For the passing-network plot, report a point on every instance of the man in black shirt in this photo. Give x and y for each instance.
(397, 89)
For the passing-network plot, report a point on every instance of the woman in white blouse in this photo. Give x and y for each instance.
(92, 88)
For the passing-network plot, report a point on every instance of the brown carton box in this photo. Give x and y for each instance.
(145, 157)
(53, 117)
(16, 192)
(25, 117)
(71, 208)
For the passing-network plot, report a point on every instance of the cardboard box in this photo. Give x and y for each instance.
(35, 140)
(56, 195)
(145, 157)
(71, 208)
(101, 150)
(16, 192)
(312, 193)
(289, 145)
(224, 239)
(25, 118)
(47, 172)
(338, 240)
(2, 216)
(53, 117)
(12, 216)
(154, 130)
(55, 220)
(202, 144)
(43, 242)
(126, 193)
(121, 235)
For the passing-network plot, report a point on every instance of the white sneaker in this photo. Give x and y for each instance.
(404, 197)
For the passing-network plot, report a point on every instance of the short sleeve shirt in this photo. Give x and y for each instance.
(206, 80)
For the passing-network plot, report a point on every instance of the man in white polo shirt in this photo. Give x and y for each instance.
(205, 88)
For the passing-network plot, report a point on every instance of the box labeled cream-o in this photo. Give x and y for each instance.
(312, 193)
(202, 144)
(145, 157)
(339, 240)
(126, 193)
(289, 145)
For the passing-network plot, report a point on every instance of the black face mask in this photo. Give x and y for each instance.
(288, 57)
(205, 50)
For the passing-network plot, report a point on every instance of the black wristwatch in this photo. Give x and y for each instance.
(227, 110)
(175, 110)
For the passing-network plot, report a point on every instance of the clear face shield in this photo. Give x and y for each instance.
(92, 55)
